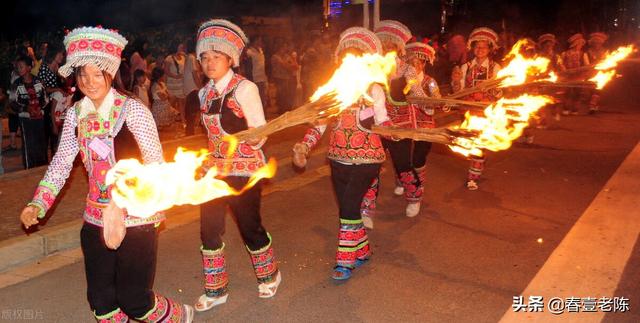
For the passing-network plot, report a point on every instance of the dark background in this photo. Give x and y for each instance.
(26, 18)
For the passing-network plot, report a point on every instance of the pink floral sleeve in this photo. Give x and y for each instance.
(312, 136)
(60, 166)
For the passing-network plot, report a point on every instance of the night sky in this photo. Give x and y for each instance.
(31, 16)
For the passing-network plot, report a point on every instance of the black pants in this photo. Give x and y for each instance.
(14, 123)
(351, 183)
(407, 157)
(572, 99)
(121, 278)
(421, 150)
(400, 152)
(407, 154)
(246, 211)
(34, 143)
(191, 109)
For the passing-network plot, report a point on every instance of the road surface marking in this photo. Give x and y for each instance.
(590, 260)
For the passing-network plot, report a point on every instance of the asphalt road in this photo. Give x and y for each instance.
(462, 259)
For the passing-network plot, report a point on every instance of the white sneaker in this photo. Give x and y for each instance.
(399, 190)
(367, 222)
(412, 209)
(472, 185)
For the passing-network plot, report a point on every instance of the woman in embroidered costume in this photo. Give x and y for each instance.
(119, 281)
(418, 55)
(594, 55)
(573, 58)
(229, 104)
(483, 41)
(547, 48)
(355, 156)
(393, 36)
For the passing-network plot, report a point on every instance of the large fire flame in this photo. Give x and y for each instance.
(506, 119)
(520, 67)
(351, 81)
(144, 190)
(606, 67)
(501, 123)
(611, 60)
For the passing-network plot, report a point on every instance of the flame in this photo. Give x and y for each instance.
(602, 78)
(553, 77)
(611, 60)
(147, 189)
(519, 68)
(352, 79)
(502, 122)
(606, 67)
(407, 88)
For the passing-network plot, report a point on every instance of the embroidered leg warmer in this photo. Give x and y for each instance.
(215, 274)
(352, 243)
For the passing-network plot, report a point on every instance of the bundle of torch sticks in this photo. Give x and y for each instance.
(326, 106)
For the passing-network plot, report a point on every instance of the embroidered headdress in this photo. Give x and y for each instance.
(576, 39)
(547, 37)
(483, 33)
(360, 38)
(421, 51)
(393, 31)
(93, 45)
(598, 37)
(222, 36)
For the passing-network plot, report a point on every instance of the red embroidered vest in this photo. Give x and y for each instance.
(409, 115)
(573, 58)
(94, 127)
(351, 142)
(221, 116)
(475, 74)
